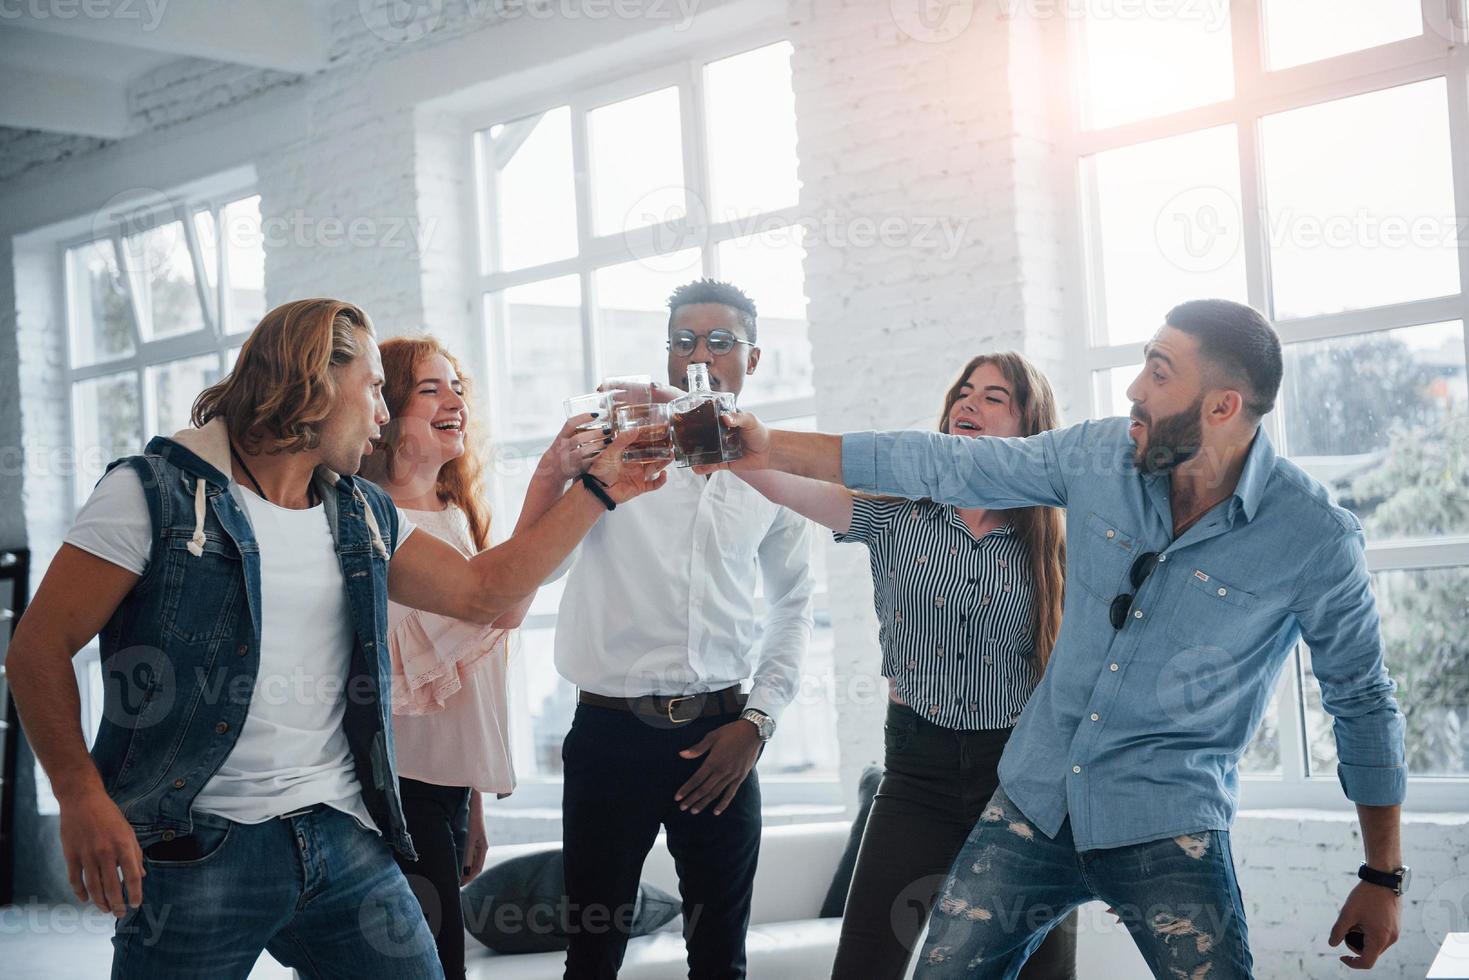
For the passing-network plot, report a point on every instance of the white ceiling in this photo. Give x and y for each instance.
(70, 74)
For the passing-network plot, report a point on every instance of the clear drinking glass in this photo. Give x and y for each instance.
(629, 389)
(655, 432)
(600, 402)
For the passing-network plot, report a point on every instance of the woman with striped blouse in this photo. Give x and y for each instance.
(969, 603)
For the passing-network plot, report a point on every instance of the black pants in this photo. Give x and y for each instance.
(936, 784)
(620, 774)
(438, 822)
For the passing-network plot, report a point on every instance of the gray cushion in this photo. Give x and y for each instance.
(520, 905)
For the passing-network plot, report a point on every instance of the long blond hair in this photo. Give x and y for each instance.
(282, 387)
(1040, 528)
(460, 481)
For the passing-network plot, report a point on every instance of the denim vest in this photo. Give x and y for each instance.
(181, 653)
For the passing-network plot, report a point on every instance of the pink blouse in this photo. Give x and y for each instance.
(450, 723)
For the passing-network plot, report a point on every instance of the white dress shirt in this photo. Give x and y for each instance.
(661, 595)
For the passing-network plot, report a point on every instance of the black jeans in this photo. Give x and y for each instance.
(936, 784)
(438, 822)
(620, 774)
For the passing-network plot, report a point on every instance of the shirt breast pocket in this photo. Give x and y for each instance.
(1208, 610)
(200, 591)
(1102, 557)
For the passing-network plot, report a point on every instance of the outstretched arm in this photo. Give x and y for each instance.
(825, 503)
(429, 574)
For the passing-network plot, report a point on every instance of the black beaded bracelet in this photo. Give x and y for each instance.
(598, 489)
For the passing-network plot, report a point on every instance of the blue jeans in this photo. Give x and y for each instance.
(318, 891)
(1010, 883)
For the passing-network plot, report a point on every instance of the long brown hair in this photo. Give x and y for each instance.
(282, 387)
(460, 481)
(1040, 528)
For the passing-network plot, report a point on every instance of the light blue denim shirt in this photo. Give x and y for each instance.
(1136, 734)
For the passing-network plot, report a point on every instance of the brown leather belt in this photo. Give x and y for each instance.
(673, 710)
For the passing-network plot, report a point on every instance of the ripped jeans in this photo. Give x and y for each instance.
(1177, 897)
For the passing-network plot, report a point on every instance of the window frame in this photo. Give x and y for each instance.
(212, 338)
(685, 71)
(1260, 92)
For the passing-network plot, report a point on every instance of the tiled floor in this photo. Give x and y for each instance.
(63, 942)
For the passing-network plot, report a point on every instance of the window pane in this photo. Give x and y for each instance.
(1146, 60)
(101, 324)
(206, 233)
(1361, 201)
(1262, 758)
(541, 326)
(1383, 420)
(106, 423)
(807, 745)
(534, 209)
(1109, 391)
(1169, 229)
(162, 273)
(172, 388)
(544, 701)
(1425, 633)
(769, 268)
(244, 248)
(1320, 739)
(637, 163)
(632, 312)
(1295, 30)
(751, 114)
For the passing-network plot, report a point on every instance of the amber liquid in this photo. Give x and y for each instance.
(653, 444)
(703, 438)
(698, 434)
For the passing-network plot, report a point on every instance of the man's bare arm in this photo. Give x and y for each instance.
(77, 597)
(429, 574)
(815, 455)
(1370, 909)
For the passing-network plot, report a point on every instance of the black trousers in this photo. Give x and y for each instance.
(438, 822)
(936, 784)
(620, 774)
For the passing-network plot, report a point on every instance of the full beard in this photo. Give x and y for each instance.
(1172, 441)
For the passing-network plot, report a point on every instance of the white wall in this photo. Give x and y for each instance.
(925, 131)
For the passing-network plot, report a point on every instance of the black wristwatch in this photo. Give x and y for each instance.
(1395, 880)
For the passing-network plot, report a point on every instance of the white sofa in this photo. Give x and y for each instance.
(787, 940)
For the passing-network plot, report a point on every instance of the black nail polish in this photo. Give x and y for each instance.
(607, 441)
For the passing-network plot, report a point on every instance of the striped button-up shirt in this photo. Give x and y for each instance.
(955, 612)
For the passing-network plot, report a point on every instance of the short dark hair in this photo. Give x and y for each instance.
(1239, 341)
(714, 291)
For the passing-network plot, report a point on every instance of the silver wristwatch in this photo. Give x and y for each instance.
(764, 724)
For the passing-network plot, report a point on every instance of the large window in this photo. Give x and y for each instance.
(157, 305)
(593, 209)
(1311, 159)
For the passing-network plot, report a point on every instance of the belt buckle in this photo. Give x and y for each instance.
(672, 702)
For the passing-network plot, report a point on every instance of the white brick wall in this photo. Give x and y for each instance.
(891, 127)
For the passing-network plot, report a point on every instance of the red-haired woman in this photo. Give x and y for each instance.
(450, 725)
